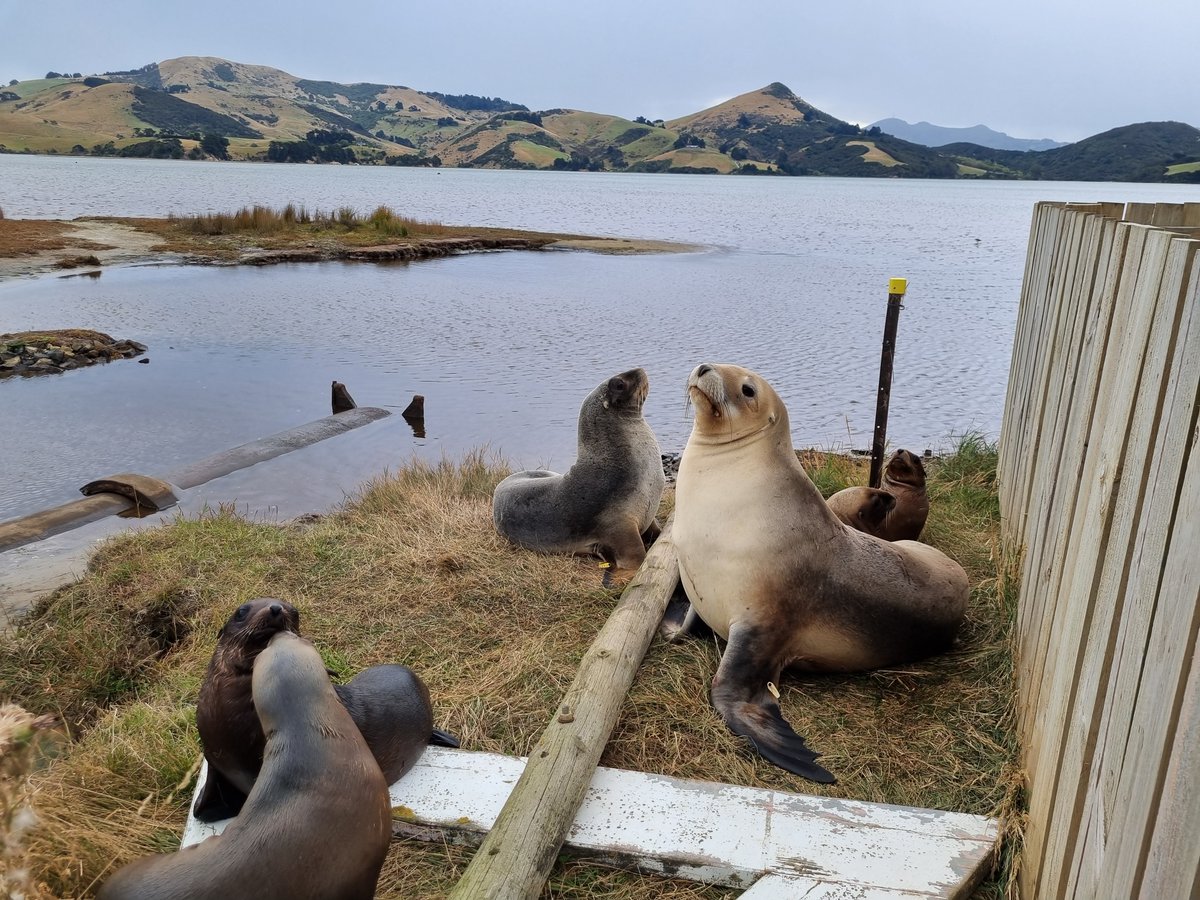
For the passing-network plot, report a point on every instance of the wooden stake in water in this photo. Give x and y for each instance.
(896, 289)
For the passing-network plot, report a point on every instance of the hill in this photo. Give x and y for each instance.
(930, 135)
(1149, 151)
(204, 107)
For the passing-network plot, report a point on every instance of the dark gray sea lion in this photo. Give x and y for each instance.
(318, 820)
(771, 569)
(605, 504)
(389, 704)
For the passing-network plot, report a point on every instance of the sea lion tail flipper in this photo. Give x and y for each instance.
(740, 694)
(218, 799)
(441, 738)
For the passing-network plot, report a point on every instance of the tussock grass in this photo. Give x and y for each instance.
(264, 220)
(412, 571)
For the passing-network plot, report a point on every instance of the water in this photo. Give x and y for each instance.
(504, 346)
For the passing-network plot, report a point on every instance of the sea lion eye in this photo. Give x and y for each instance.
(747, 391)
(242, 612)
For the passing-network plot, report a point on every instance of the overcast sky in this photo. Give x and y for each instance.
(1062, 69)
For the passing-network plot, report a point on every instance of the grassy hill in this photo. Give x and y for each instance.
(198, 106)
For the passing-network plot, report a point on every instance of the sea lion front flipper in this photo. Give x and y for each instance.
(219, 798)
(741, 696)
(441, 738)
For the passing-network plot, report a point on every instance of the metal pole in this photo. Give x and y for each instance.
(896, 289)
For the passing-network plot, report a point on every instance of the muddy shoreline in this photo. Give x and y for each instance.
(32, 247)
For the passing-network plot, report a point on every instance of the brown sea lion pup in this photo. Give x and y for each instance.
(863, 508)
(605, 504)
(904, 478)
(318, 820)
(389, 704)
(771, 569)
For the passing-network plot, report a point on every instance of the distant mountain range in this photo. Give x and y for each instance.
(204, 107)
(938, 136)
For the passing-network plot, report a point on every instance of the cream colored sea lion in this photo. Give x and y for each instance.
(606, 502)
(318, 820)
(768, 567)
(897, 510)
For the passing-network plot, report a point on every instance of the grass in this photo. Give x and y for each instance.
(263, 220)
(411, 570)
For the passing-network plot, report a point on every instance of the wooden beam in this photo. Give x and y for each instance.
(516, 857)
(776, 843)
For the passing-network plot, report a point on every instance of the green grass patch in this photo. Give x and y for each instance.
(412, 571)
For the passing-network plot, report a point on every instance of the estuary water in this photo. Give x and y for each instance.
(790, 280)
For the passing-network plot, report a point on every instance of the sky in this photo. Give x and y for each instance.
(1061, 69)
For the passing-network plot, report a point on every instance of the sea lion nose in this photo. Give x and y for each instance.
(703, 369)
(276, 609)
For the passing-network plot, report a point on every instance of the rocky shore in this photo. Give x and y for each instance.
(52, 352)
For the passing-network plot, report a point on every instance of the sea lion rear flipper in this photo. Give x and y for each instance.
(681, 619)
(441, 738)
(650, 535)
(219, 798)
(740, 695)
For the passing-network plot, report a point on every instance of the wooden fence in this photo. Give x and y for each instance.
(1100, 489)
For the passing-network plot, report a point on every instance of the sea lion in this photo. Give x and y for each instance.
(389, 704)
(863, 508)
(897, 510)
(771, 569)
(904, 478)
(318, 820)
(606, 502)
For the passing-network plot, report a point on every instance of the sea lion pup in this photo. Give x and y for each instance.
(895, 512)
(904, 478)
(389, 704)
(318, 820)
(605, 504)
(863, 508)
(769, 568)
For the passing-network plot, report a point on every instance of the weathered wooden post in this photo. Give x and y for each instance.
(515, 858)
(896, 289)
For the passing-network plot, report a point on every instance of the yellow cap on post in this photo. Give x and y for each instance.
(897, 286)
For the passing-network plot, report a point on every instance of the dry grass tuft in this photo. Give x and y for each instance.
(20, 733)
(413, 571)
(263, 220)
